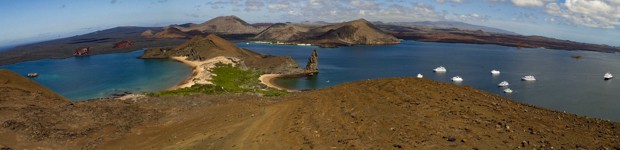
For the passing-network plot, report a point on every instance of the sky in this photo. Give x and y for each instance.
(592, 21)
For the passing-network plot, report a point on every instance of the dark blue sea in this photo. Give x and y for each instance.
(99, 76)
(563, 83)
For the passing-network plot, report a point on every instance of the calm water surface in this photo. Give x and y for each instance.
(563, 83)
(103, 75)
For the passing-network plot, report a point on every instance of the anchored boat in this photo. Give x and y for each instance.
(495, 72)
(440, 69)
(503, 84)
(32, 75)
(457, 79)
(608, 76)
(528, 78)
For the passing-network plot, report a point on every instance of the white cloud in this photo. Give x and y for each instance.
(455, 1)
(589, 13)
(253, 5)
(530, 3)
(467, 17)
(363, 4)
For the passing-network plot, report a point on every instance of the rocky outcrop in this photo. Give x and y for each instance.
(201, 48)
(223, 25)
(171, 32)
(312, 67)
(123, 44)
(81, 51)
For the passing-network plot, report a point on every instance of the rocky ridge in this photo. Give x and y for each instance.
(201, 48)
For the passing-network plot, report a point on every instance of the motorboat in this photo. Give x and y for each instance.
(32, 75)
(608, 76)
(440, 69)
(507, 90)
(503, 84)
(528, 78)
(495, 72)
(420, 76)
(457, 79)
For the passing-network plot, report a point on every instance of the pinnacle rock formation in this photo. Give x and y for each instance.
(312, 67)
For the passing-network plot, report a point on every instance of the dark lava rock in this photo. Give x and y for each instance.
(451, 139)
(312, 67)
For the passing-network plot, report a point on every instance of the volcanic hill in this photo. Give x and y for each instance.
(223, 25)
(201, 48)
(356, 32)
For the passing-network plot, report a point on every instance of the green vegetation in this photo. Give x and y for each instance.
(228, 79)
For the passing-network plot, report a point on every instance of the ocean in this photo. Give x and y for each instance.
(563, 83)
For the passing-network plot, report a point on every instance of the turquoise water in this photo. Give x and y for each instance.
(564, 83)
(82, 78)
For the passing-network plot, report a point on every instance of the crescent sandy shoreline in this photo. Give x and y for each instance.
(200, 72)
(268, 79)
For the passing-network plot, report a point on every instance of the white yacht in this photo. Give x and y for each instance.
(32, 75)
(440, 69)
(457, 79)
(420, 76)
(495, 72)
(608, 76)
(507, 90)
(503, 84)
(528, 78)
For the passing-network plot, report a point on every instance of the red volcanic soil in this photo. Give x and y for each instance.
(123, 44)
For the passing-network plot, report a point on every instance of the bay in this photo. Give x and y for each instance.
(563, 83)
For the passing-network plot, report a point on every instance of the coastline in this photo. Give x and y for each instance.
(186, 82)
(200, 70)
(267, 79)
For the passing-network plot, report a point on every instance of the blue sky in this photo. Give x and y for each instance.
(593, 21)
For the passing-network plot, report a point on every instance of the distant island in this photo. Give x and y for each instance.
(323, 34)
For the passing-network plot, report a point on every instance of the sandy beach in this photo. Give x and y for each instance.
(200, 70)
(267, 79)
(201, 74)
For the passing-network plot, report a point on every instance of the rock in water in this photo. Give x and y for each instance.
(312, 67)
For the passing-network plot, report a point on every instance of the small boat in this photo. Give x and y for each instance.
(608, 76)
(507, 90)
(420, 76)
(503, 84)
(440, 69)
(247, 43)
(457, 79)
(528, 78)
(495, 72)
(32, 75)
